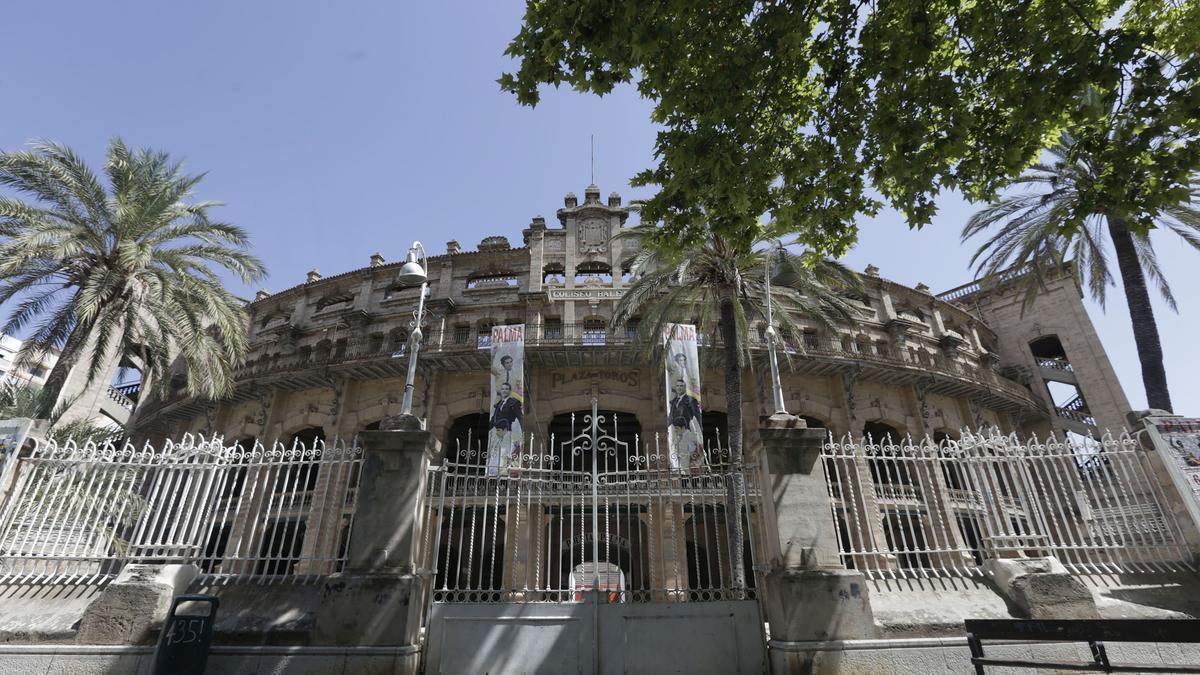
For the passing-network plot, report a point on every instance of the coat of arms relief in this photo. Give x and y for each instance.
(593, 235)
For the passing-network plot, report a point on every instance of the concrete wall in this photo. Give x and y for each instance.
(82, 660)
(876, 657)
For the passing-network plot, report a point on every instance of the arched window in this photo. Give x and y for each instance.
(483, 333)
(862, 344)
(594, 272)
(397, 340)
(322, 350)
(1049, 353)
(375, 343)
(911, 313)
(554, 274)
(462, 333)
(883, 348)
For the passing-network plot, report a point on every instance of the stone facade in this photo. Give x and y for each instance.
(328, 358)
(325, 355)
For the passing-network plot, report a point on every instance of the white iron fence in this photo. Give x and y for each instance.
(270, 513)
(920, 509)
(592, 509)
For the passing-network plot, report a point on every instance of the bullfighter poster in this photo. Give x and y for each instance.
(685, 435)
(508, 399)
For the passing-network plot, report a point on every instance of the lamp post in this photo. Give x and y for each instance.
(411, 274)
(776, 386)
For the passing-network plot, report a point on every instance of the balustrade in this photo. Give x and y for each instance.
(586, 335)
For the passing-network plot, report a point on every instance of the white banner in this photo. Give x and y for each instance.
(685, 434)
(508, 399)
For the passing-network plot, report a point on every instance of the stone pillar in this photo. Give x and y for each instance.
(536, 243)
(810, 596)
(131, 610)
(378, 600)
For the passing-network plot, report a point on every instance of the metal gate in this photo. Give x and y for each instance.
(591, 553)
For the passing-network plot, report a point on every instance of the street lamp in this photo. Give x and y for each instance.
(413, 273)
(776, 386)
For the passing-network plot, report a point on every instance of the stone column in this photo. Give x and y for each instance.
(378, 600)
(810, 596)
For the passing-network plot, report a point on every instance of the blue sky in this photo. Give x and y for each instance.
(335, 130)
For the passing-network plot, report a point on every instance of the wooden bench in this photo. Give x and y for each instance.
(1095, 632)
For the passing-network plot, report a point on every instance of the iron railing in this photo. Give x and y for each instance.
(574, 512)
(1055, 364)
(123, 400)
(920, 509)
(265, 512)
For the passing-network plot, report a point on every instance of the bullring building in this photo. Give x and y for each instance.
(329, 357)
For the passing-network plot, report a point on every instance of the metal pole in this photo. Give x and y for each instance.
(595, 502)
(595, 540)
(776, 387)
(415, 337)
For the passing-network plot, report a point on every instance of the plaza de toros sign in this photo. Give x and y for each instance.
(589, 294)
(562, 379)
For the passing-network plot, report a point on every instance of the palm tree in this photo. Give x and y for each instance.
(126, 264)
(721, 285)
(1038, 230)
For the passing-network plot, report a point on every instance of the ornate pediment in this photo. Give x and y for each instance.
(494, 243)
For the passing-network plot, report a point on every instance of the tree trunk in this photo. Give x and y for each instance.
(1141, 316)
(735, 492)
(71, 351)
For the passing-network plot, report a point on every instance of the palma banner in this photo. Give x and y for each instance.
(685, 436)
(508, 399)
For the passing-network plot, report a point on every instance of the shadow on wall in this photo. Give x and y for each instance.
(39, 612)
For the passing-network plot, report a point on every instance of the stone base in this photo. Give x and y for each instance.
(1042, 588)
(804, 605)
(132, 609)
(369, 610)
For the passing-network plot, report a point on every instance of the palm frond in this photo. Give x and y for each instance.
(130, 262)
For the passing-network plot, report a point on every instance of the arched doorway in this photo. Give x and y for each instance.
(466, 439)
(301, 461)
(884, 456)
(618, 543)
(232, 488)
(715, 426)
(470, 558)
(620, 439)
